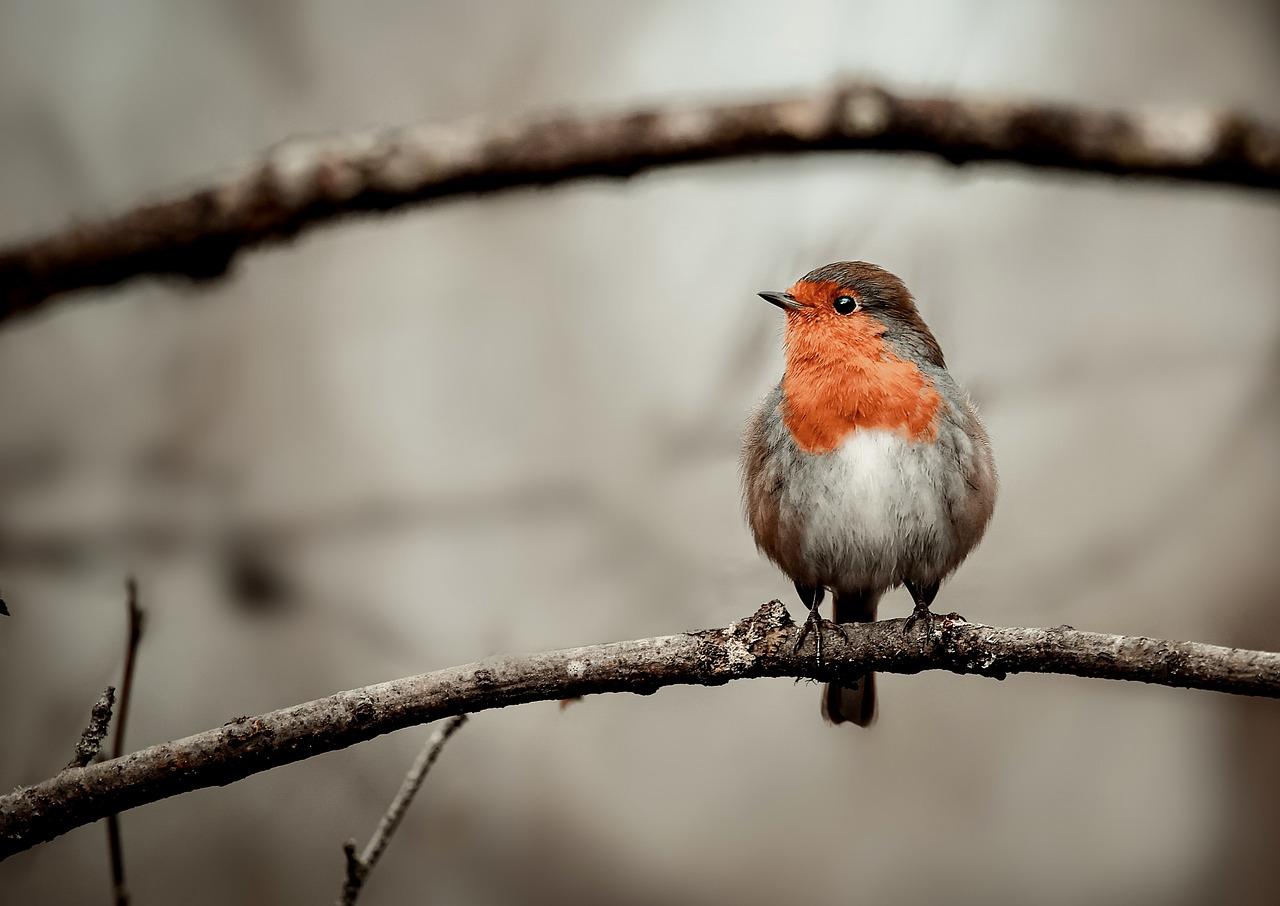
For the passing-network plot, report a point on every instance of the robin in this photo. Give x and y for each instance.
(867, 467)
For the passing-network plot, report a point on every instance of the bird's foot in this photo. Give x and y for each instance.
(812, 623)
(815, 624)
(921, 612)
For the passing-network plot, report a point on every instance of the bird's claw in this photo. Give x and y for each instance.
(920, 613)
(815, 624)
(928, 616)
(805, 628)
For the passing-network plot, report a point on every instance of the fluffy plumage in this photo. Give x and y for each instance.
(867, 466)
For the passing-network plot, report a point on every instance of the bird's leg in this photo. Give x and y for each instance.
(812, 623)
(811, 596)
(923, 596)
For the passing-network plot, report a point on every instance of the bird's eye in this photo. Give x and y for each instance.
(845, 305)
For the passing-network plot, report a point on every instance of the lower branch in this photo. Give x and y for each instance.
(359, 866)
(758, 646)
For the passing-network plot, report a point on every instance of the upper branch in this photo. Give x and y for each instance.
(758, 646)
(303, 182)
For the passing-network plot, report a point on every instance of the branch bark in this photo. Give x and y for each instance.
(90, 743)
(359, 866)
(133, 636)
(304, 182)
(760, 645)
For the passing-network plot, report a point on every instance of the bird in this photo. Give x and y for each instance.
(867, 466)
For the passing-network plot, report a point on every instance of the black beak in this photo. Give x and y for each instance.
(785, 301)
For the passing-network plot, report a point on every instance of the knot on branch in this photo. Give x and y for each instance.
(90, 744)
(357, 871)
(862, 110)
(247, 731)
(769, 617)
(736, 650)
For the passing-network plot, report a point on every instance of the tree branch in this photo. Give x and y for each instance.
(304, 182)
(758, 646)
(90, 743)
(133, 636)
(359, 866)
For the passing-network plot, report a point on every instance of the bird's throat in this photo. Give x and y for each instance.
(837, 384)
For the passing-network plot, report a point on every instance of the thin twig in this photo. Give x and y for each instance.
(90, 743)
(304, 182)
(120, 892)
(759, 646)
(359, 866)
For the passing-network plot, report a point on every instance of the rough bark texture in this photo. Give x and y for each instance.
(91, 739)
(303, 182)
(758, 646)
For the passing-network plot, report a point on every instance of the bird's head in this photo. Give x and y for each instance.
(855, 349)
(852, 309)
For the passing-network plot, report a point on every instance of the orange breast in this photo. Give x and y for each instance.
(842, 377)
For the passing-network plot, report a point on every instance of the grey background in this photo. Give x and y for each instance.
(511, 423)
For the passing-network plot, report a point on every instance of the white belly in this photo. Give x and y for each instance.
(878, 510)
(876, 488)
(875, 511)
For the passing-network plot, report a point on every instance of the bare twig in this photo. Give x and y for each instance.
(304, 182)
(359, 866)
(119, 891)
(90, 743)
(760, 645)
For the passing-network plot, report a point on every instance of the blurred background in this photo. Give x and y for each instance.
(511, 423)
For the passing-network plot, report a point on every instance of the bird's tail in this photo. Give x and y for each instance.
(854, 702)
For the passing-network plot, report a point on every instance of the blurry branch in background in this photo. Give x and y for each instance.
(359, 866)
(304, 182)
(90, 743)
(761, 645)
(143, 532)
(120, 892)
(253, 554)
